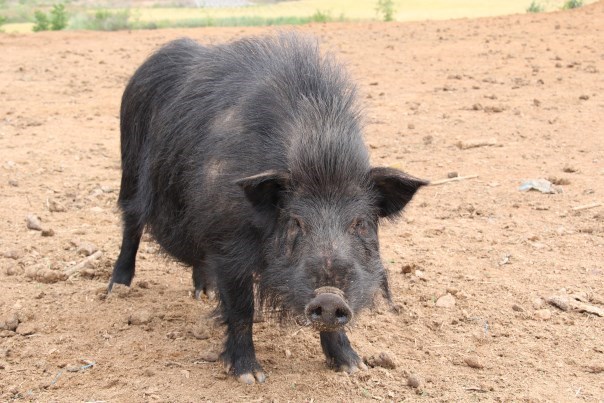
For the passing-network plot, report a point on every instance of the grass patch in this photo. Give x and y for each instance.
(102, 20)
(535, 7)
(570, 4)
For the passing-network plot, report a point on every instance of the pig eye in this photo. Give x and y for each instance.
(360, 226)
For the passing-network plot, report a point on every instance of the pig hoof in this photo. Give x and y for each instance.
(249, 378)
(351, 369)
(210, 294)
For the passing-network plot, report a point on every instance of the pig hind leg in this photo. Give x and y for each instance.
(123, 272)
(339, 353)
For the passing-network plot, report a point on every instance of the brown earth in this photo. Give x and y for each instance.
(531, 83)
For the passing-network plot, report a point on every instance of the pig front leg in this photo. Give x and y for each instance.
(339, 353)
(239, 356)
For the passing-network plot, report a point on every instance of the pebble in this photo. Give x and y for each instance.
(33, 222)
(413, 381)
(473, 362)
(559, 302)
(288, 353)
(27, 328)
(201, 332)
(141, 317)
(537, 303)
(148, 372)
(452, 174)
(408, 268)
(14, 270)
(55, 206)
(48, 232)
(446, 301)
(543, 314)
(86, 248)
(13, 254)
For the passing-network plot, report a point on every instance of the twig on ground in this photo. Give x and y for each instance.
(586, 206)
(75, 269)
(456, 179)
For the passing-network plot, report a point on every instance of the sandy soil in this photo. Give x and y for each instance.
(531, 84)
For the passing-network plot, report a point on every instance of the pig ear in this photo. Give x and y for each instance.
(394, 190)
(264, 189)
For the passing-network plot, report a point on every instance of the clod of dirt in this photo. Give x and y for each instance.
(413, 381)
(543, 314)
(383, 360)
(536, 102)
(408, 268)
(208, 356)
(569, 169)
(55, 207)
(141, 317)
(120, 290)
(13, 183)
(595, 368)
(13, 254)
(86, 248)
(584, 97)
(473, 362)
(446, 301)
(453, 174)
(144, 284)
(33, 222)
(201, 332)
(10, 322)
(27, 328)
(48, 232)
(287, 353)
(559, 302)
(410, 126)
(558, 181)
(467, 144)
(45, 275)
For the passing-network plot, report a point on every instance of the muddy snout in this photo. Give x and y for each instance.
(328, 311)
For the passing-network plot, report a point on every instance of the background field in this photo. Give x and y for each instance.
(530, 85)
(164, 13)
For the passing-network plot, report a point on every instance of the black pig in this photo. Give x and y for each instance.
(247, 162)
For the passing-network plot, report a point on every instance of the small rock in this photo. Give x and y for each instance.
(33, 222)
(410, 126)
(27, 328)
(517, 308)
(446, 301)
(148, 372)
(55, 206)
(48, 232)
(13, 254)
(453, 174)
(73, 368)
(14, 270)
(473, 362)
(86, 248)
(584, 97)
(13, 183)
(413, 381)
(49, 276)
(288, 353)
(10, 322)
(201, 332)
(543, 314)
(408, 268)
(537, 303)
(141, 317)
(536, 102)
(209, 356)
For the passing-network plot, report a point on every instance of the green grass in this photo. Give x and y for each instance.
(20, 13)
(535, 7)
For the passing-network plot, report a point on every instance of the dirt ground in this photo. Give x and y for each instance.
(526, 89)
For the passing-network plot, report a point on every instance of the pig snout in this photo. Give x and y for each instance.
(328, 311)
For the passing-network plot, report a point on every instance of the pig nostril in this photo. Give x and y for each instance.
(316, 313)
(341, 315)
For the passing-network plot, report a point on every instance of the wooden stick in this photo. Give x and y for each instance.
(586, 206)
(456, 179)
(73, 270)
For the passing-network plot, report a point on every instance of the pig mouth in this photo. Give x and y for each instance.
(328, 311)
